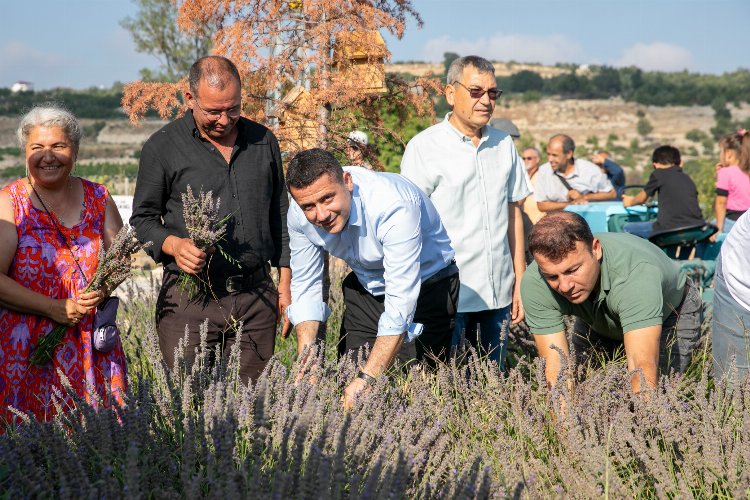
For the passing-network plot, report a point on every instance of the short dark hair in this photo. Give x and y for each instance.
(217, 71)
(556, 234)
(666, 155)
(568, 144)
(309, 165)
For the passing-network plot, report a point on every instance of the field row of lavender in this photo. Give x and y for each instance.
(465, 430)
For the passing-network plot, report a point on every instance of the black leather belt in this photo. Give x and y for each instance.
(246, 282)
(445, 272)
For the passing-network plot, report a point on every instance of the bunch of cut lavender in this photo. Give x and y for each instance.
(206, 229)
(114, 268)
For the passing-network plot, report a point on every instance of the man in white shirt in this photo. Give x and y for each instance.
(404, 281)
(565, 180)
(476, 179)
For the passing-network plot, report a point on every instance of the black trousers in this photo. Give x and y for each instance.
(256, 309)
(436, 310)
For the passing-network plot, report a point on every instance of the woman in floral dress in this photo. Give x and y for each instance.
(52, 226)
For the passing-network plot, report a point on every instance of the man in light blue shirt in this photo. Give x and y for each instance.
(566, 180)
(404, 282)
(476, 179)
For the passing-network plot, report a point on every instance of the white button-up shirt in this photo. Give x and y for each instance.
(585, 178)
(471, 188)
(393, 241)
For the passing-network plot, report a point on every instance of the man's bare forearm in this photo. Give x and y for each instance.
(516, 239)
(607, 195)
(383, 353)
(307, 333)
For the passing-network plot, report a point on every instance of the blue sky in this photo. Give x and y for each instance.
(79, 43)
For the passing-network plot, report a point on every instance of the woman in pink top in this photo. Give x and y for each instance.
(732, 179)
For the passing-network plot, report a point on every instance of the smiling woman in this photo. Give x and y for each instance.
(52, 228)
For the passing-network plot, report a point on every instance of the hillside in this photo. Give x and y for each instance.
(501, 69)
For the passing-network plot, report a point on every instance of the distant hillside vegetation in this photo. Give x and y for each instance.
(529, 81)
(600, 82)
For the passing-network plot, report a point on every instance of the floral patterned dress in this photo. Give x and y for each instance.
(44, 264)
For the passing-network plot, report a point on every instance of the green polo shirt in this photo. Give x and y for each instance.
(639, 287)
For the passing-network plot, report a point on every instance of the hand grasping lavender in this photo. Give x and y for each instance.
(114, 268)
(206, 229)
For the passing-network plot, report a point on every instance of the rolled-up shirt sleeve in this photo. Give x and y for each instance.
(307, 275)
(399, 232)
(149, 201)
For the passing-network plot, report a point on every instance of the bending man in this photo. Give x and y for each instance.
(403, 284)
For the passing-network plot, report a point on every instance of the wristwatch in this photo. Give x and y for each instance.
(367, 378)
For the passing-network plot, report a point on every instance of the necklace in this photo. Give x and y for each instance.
(54, 219)
(51, 209)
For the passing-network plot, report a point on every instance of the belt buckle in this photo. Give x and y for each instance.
(229, 284)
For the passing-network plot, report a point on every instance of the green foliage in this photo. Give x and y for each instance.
(644, 127)
(92, 131)
(703, 173)
(696, 135)
(448, 58)
(90, 103)
(531, 96)
(633, 84)
(525, 81)
(390, 149)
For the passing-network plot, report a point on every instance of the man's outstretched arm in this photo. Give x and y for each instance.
(642, 351)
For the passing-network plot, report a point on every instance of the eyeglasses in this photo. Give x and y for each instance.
(215, 114)
(529, 157)
(479, 93)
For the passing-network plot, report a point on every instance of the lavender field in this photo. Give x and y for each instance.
(465, 431)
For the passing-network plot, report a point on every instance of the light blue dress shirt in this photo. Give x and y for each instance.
(393, 241)
(586, 178)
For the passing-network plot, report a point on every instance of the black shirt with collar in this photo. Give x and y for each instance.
(250, 187)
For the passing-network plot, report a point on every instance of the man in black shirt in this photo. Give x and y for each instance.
(678, 196)
(212, 148)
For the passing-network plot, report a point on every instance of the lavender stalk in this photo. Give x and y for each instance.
(206, 229)
(113, 268)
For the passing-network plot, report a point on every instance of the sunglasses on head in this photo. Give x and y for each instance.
(476, 93)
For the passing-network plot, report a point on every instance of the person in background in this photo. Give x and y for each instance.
(403, 287)
(52, 227)
(731, 316)
(612, 170)
(566, 180)
(213, 148)
(473, 174)
(732, 179)
(531, 159)
(678, 196)
(356, 146)
(622, 291)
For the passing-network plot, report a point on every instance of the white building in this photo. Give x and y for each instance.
(21, 86)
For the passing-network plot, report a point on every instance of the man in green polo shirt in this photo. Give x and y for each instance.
(621, 289)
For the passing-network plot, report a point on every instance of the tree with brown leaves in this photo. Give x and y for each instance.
(312, 70)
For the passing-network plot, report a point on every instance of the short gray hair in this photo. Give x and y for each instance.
(535, 150)
(50, 115)
(456, 69)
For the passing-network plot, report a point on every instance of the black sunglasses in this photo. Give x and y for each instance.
(479, 93)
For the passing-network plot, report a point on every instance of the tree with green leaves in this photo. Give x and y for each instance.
(155, 31)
